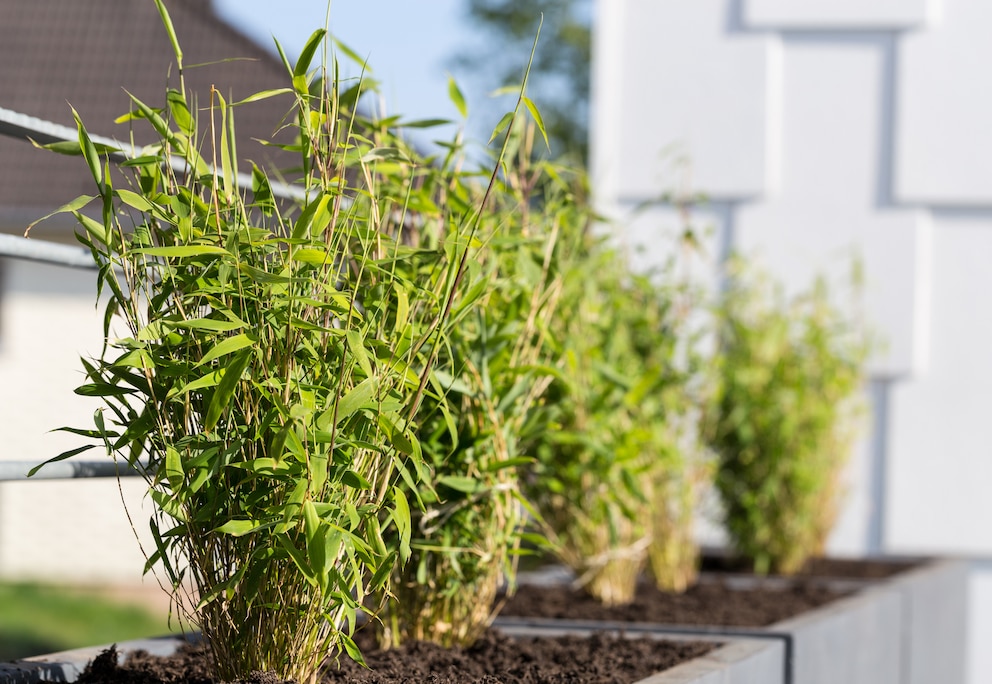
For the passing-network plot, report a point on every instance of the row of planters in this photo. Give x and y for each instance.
(361, 408)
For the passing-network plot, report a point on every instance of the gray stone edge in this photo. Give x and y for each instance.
(66, 666)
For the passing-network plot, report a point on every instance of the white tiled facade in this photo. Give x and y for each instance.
(821, 129)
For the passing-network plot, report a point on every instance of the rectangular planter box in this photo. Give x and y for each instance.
(736, 661)
(907, 629)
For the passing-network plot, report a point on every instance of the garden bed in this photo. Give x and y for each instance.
(906, 628)
(520, 655)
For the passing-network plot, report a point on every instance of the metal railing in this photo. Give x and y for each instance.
(12, 471)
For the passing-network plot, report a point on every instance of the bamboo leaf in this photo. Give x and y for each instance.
(102, 389)
(133, 199)
(501, 126)
(353, 479)
(306, 55)
(351, 648)
(459, 483)
(239, 528)
(211, 324)
(317, 257)
(538, 119)
(360, 396)
(183, 251)
(67, 208)
(90, 154)
(180, 111)
(457, 98)
(225, 389)
(228, 346)
(171, 31)
(61, 457)
(403, 522)
(263, 95)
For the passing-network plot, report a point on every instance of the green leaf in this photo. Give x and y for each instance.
(174, 472)
(69, 207)
(61, 457)
(211, 324)
(424, 123)
(102, 389)
(317, 257)
(538, 119)
(456, 96)
(403, 522)
(359, 397)
(306, 55)
(263, 95)
(501, 126)
(353, 56)
(357, 346)
(353, 479)
(239, 528)
(263, 277)
(96, 230)
(171, 31)
(225, 389)
(145, 160)
(133, 199)
(181, 251)
(228, 346)
(180, 111)
(351, 648)
(460, 484)
(89, 151)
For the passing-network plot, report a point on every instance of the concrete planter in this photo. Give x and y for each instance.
(908, 629)
(66, 666)
(737, 661)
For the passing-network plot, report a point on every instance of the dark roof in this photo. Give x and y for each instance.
(54, 52)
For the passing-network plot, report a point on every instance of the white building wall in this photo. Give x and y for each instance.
(66, 531)
(820, 129)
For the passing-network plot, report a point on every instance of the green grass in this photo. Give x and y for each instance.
(36, 619)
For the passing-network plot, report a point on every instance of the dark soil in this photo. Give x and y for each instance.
(845, 568)
(707, 603)
(729, 595)
(494, 659)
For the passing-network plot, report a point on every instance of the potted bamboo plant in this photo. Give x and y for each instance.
(269, 355)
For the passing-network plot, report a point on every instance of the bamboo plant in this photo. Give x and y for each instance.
(614, 447)
(786, 410)
(267, 361)
(470, 521)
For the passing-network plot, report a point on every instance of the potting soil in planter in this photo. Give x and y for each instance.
(706, 603)
(495, 658)
(741, 601)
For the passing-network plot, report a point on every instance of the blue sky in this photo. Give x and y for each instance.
(408, 44)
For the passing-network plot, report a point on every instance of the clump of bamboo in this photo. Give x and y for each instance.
(784, 416)
(469, 520)
(600, 473)
(269, 361)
